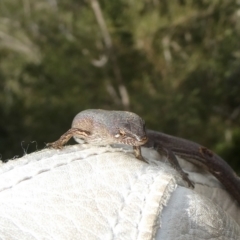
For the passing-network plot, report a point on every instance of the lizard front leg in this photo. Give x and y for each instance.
(138, 153)
(174, 162)
(66, 137)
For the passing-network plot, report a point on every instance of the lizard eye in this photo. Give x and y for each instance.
(121, 133)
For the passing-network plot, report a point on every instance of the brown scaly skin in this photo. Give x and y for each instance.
(102, 127)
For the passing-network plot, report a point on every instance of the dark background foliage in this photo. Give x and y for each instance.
(175, 63)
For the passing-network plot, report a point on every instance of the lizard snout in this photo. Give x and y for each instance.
(142, 139)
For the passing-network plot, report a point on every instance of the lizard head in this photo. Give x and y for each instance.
(108, 127)
(129, 129)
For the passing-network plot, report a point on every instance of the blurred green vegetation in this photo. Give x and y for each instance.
(175, 63)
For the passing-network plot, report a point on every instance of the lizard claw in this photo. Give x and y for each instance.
(142, 159)
(56, 145)
(185, 178)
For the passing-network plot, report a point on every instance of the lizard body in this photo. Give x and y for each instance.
(102, 127)
(198, 155)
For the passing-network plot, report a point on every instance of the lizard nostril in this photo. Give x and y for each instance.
(142, 139)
